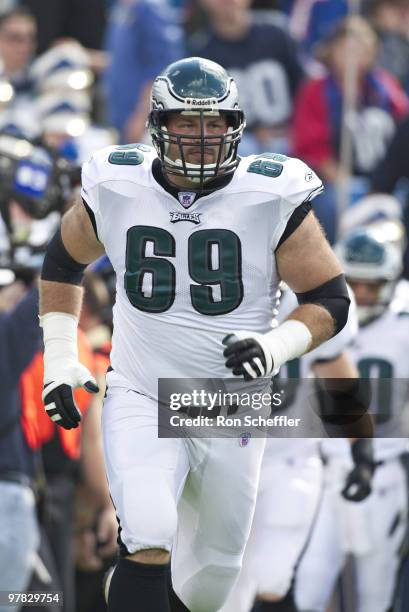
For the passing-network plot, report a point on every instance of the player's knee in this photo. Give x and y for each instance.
(273, 583)
(207, 589)
(148, 515)
(151, 556)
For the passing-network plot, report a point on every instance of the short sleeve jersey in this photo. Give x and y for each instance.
(188, 276)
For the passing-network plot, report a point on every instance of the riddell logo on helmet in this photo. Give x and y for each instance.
(194, 102)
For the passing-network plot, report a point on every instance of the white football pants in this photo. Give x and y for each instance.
(372, 531)
(287, 502)
(215, 481)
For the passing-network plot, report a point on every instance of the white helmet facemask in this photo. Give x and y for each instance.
(198, 87)
(195, 171)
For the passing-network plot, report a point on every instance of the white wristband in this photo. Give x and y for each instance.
(289, 340)
(60, 333)
(60, 341)
(61, 365)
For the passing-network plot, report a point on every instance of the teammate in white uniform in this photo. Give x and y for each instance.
(198, 239)
(373, 530)
(290, 484)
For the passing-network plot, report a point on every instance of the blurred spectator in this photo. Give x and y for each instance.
(390, 18)
(25, 228)
(143, 37)
(17, 45)
(7, 5)
(312, 21)
(391, 170)
(63, 79)
(31, 90)
(83, 21)
(19, 536)
(263, 60)
(269, 11)
(317, 127)
(96, 525)
(283, 5)
(60, 454)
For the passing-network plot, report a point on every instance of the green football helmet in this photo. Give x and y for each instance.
(364, 257)
(196, 86)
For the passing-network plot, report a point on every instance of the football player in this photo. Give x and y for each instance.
(290, 482)
(198, 239)
(373, 530)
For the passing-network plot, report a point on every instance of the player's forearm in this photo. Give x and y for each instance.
(317, 319)
(60, 297)
(340, 367)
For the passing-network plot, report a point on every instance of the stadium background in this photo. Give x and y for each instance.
(75, 76)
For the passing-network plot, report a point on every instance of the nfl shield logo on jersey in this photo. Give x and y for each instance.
(244, 438)
(186, 198)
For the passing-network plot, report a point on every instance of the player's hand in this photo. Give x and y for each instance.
(58, 392)
(247, 354)
(358, 484)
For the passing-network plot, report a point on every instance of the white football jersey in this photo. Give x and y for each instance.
(380, 351)
(189, 274)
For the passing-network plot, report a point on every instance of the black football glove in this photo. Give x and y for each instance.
(58, 395)
(358, 485)
(248, 355)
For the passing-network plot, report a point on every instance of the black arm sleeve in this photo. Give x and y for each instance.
(333, 296)
(58, 264)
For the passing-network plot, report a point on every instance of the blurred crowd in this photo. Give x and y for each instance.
(316, 81)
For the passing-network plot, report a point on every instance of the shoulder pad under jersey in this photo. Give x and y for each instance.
(284, 177)
(123, 162)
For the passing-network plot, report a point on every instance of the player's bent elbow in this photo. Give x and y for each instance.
(334, 297)
(58, 264)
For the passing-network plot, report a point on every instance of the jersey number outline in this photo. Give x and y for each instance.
(125, 155)
(202, 246)
(268, 164)
(382, 385)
